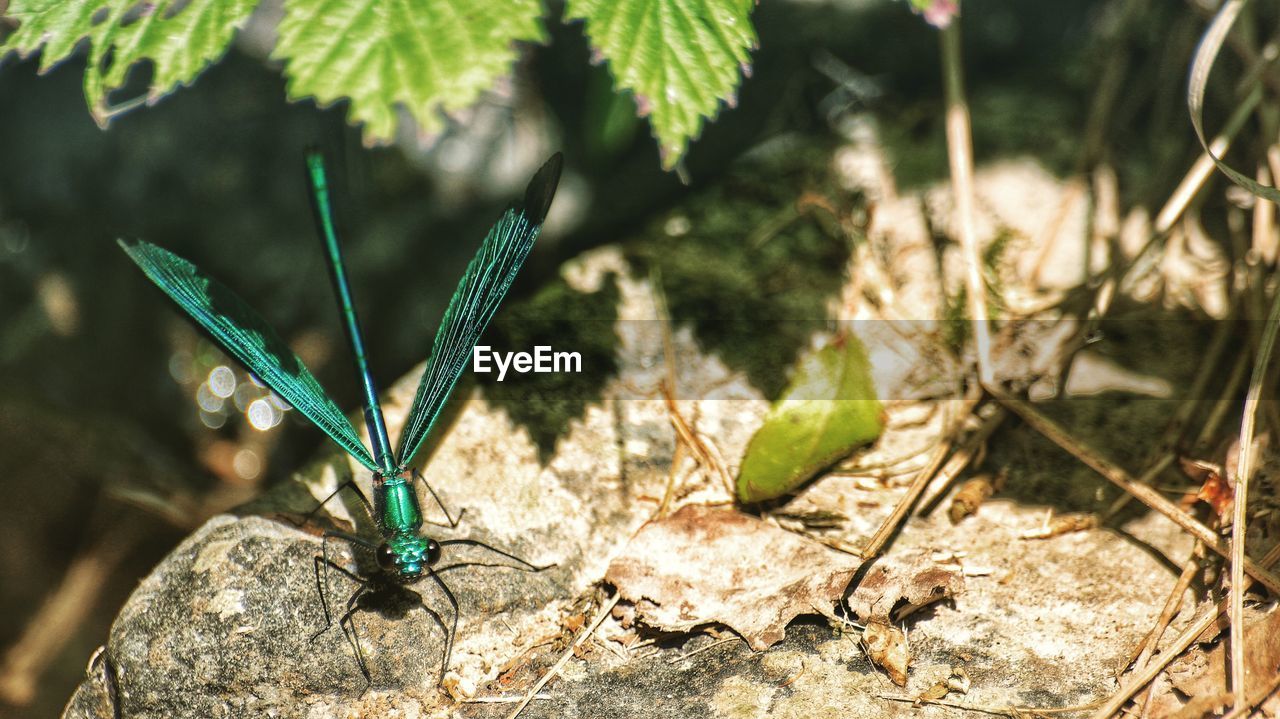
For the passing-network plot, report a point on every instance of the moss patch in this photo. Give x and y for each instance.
(749, 266)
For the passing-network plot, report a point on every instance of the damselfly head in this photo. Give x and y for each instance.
(406, 557)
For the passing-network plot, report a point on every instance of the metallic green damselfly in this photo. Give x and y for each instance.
(404, 553)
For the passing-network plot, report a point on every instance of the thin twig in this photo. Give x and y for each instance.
(641, 645)
(921, 481)
(668, 493)
(1244, 473)
(995, 711)
(960, 153)
(1122, 479)
(564, 658)
(1208, 371)
(1147, 647)
(1218, 413)
(963, 456)
(1073, 191)
(953, 705)
(500, 700)
(1110, 83)
(1148, 476)
(668, 385)
(687, 435)
(1179, 645)
(699, 650)
(684, 432)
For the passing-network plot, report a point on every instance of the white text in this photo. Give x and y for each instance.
(543, 359)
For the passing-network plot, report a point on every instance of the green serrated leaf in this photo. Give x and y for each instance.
(827, 411)
(179, 38)
(424, 55)
(679, 57)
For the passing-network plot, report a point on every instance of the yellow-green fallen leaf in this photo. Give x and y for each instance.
(828, 410)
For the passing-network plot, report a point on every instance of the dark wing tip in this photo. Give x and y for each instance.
(542, 189)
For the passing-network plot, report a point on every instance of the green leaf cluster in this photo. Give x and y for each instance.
(179, 41)
(424, 56)
(428, 58)
(680, 58)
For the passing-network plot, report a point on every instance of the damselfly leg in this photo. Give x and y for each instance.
(453, 521)
(452, 634)
(376, 586)
(350, 483)
(524, 565)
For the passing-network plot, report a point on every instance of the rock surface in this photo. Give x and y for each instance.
(224, 626)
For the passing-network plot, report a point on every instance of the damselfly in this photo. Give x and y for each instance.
(404, 553)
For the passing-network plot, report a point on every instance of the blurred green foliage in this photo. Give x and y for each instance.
(679, 58)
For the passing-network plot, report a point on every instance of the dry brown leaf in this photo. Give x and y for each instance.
(1202, 706)
(703, 564)
(1199, 470)
(887, 647)
(573, 623)
(1261, 443)
(897, 586)
(625, 613)
(957, 682)
(1164, 701)
(1199, 673)
(1215, 490)
(1217, 493)
(933, 693)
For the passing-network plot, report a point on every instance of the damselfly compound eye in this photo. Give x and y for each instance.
(386, 558)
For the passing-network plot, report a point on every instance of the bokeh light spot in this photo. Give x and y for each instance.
(247, 464)
(262, 415)
(222, 381)
(207, 400)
